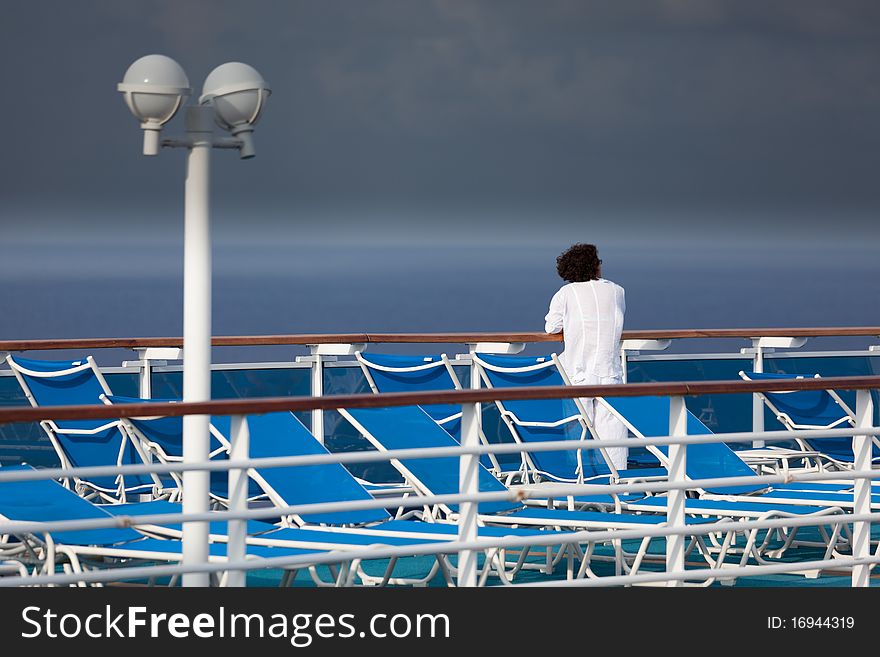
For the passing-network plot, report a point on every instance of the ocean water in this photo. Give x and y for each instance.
(113, 290)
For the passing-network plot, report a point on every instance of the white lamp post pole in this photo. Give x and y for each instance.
(197, 333)
(154, 88)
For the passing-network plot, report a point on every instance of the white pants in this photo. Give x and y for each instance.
(605, 423)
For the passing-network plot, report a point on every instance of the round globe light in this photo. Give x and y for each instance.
(154, 88)
(237, 92)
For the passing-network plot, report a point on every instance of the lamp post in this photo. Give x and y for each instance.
(233, 95)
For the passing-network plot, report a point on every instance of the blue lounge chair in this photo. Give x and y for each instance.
(392, 373)
(542, 420)
(404, 428)
(282, 434)
(276, 434)
(812, 409)
(265, 534)
(47, 501)
(648, 417)
(161, 438)
(82, 443)
(394, 533)
(756, 545)
(410, 427)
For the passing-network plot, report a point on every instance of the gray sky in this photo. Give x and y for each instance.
(511, 121)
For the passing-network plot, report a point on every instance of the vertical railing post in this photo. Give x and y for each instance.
(145, 380)
(148, 358)
(319, 355)
(318, 391)
(757, 402)
(469, 484)
(675, 509)
(862, 453)
(316, 360)
(238, 497)
(761, 347)
(476, 384)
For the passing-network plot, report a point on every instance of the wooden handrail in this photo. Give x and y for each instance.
(274, 404)
(429, 338)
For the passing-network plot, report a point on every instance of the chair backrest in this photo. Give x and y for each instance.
(407, 427)
(166, 432)
(809, 409)
(648, 417)
(47, 501)
(393, 373)
(541, 420)
(282, 434)
(59, 382)
(79, 382)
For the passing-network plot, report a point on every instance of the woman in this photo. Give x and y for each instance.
(589, 310)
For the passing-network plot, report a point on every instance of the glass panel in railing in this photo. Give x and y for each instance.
(123, 384)
(22, 442)
(340, 435)
(857, 365)
(721, 413)
(167, 385)
(243, 383)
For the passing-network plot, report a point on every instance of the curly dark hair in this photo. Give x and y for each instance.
(580, 262)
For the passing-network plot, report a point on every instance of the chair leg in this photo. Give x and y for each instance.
(287, 578)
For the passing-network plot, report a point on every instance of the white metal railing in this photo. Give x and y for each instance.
(322, 356)
(468, 544)
(317, 364)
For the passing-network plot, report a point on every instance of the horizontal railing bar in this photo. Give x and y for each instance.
(346, 458)
(244, 366)
(777, 355)
(479, 544)
(794, 567)
(145, 572)
(407, 501)
(367, 400)
(465, 362)
(428, 338)
(237, 367)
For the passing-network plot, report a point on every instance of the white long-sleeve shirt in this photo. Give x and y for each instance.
(591, 315)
